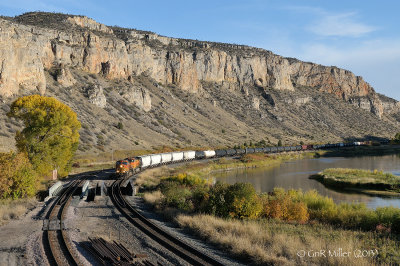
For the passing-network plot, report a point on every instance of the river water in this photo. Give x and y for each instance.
(294, 175)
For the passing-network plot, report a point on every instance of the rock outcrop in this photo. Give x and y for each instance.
(96, 96)
(255, 103)
(34, 42)
(64, 77)
(138, 96)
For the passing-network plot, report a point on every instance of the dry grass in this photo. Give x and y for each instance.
(15, 209)
(360, 176)
(91, 167)
(151, 177)
(153, 198)
(275, 243)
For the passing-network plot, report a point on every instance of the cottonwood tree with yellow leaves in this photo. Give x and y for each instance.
(50, 137)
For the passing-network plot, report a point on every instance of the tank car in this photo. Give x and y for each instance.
(250, 150)
(257, 150)
(220, 153)
(230, 152)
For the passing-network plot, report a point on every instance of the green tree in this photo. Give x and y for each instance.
(17, 177)
(279, 143)
(50, 137)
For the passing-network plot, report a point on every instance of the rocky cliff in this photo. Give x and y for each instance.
(33, 42)
(180, 92)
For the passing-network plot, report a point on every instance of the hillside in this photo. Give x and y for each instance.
(178, 92)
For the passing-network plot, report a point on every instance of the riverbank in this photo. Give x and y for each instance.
(355, 151)
(374, 182)
(150, 178)
(273, 228)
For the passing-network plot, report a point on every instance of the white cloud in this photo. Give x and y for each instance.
(377, 61)
(373, 50)
(341, 25)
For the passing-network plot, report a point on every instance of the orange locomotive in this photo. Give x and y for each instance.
(134, 164)
(126, 166)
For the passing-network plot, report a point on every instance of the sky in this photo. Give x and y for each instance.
(360, 36)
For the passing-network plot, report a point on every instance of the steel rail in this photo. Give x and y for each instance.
(177, 246)
(56, 241)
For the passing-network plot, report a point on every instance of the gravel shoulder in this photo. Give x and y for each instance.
(20, 240)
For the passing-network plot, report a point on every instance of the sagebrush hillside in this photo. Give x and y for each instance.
(137, 90)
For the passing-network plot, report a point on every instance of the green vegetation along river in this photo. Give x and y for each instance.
(295, 174)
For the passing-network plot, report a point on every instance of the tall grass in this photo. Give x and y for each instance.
(270, 242)
(359, 176)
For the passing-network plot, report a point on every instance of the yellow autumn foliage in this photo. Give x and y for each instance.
(50, 137)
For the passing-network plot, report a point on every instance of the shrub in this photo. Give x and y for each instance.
(285, 206)
(389, 217)
(17, 177)
(176, 195)
(216, 203)
(190, 180)
(319, 207)
(242, 201)
(120, 125)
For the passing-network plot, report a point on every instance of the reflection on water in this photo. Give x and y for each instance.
(294, 174)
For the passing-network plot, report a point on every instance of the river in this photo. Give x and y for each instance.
(294, 175)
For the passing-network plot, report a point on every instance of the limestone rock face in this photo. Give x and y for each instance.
(389, 105)
(372, 104)
(89, 23)
(96, 96)
(79, 42)
(20, 65)
(138, 96)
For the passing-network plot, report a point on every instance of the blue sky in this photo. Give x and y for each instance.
(361, 36)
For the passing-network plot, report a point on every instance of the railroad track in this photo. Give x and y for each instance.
(183, 250)
(57, 245)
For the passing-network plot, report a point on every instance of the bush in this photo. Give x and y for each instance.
(176, 195)
(189, 180)
(190, 193)
(17, 177)
(242, 201)
(120, 125)
(216, 203)
(285, 206)
(389, 217)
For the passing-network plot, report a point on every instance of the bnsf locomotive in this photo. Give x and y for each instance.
(134, 164)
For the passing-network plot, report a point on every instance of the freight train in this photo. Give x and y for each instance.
(135, 164)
